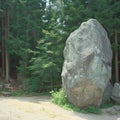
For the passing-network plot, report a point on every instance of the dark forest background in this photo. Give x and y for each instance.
(33, 35)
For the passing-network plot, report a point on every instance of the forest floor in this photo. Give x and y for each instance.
(41, 108)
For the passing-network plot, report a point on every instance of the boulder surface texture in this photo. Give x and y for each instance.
(87, 64)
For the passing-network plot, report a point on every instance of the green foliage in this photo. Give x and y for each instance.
(18, 93)
(47, 61)
(59, 98)
(26, 24)
(33, 85)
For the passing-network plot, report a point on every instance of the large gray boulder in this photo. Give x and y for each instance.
(87, 64)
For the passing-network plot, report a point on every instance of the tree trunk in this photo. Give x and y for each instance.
(5, 54)
(7, 66)
(116, 54)
(3, 50)
(6, 50)
(116, 58)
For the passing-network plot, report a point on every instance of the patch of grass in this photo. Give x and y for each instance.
(92, 109)
(27, 93)
(69, 106)
(17, 93)
(60, 99)
(108, 104)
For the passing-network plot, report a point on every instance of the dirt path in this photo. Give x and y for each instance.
(41, 108)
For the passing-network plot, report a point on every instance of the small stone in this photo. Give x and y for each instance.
(117, 108)
(116, 93)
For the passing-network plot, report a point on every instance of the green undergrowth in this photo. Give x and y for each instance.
(17, 93)
(60, 99)
(109, 103)
(26, 93)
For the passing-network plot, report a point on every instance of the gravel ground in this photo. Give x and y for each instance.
(41, 108)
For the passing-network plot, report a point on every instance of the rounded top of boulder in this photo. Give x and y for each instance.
(92, 33)
(93, 22)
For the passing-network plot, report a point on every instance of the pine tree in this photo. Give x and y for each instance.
(47, 63)
(23, 31)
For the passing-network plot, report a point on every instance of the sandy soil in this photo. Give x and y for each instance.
(41, 108)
